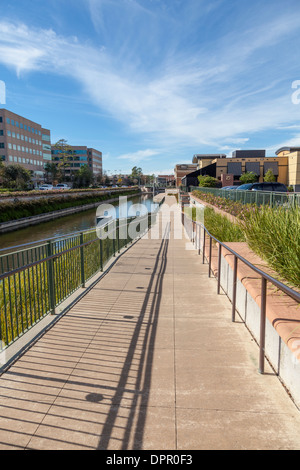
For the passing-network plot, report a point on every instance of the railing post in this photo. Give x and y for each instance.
(262, 325)
(101, 254)
(219, 267)
(82, 261)
(210, 252)
(117, 234)
(234, 288)
(51, 279)
(203, 252)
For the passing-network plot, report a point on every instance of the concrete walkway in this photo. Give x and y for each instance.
(148, 360)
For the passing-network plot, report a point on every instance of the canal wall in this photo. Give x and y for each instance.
(13, 225)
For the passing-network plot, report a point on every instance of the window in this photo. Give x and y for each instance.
(8, 120)
(1, 132)
(46, 137)
(10, 158)
(17, 124)
(2, 158)
(2, 145)
(9, 145)
(8, 133)
(12, 122)
(1, 120)
(21, 125)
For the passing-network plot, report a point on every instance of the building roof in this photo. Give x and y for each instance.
(199, 156)
(289, 149)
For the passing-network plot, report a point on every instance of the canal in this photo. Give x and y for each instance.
(72, 223)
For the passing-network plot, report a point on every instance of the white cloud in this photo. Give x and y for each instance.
(139, 156)
(200, 100)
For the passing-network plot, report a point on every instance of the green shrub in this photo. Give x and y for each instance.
(274, 234)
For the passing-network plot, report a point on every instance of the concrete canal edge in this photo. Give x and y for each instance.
(38, 219)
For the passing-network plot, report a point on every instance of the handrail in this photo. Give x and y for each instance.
(46, 240)
(33, 288)
(264, 279)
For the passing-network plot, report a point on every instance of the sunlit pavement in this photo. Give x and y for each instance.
(147, 360)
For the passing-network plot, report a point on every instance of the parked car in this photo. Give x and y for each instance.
(45, 187)
(62, 186)
(278, 187)
(245, 187)
(230, 187)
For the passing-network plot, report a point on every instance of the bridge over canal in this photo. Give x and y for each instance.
(148, 359)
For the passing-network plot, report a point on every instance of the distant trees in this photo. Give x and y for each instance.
(269, 176)
(65, 156)
(136, 174)
(15, 177)
(207, 181)
(83, 178)
(248, 177)
(52, 170)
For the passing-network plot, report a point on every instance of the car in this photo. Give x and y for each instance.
(114, 186)
(276, 187)
(245, 187)
(62, 186)
(46, 187)
(229, 187)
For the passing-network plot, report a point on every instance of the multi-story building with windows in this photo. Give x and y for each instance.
(95, 161)
(25, 142)
(75, 157)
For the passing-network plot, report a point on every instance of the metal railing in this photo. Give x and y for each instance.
(270, 198)
(37, 278)
(201, 237)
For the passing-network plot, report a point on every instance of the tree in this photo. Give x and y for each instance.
(136, 174)
(65, 155)
(15, 176)
(269, 176)
(52, 168)
(207, 181)
(83, 178)
(248, 177)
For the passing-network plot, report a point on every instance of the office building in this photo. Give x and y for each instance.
(75, 157)
(24, 142)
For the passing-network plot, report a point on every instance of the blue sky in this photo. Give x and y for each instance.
(152, 82)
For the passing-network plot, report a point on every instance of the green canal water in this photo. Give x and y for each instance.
(72, 223)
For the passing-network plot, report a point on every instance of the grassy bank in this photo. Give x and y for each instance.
(20, 209)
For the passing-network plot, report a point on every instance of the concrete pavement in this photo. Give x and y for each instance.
(147, 360)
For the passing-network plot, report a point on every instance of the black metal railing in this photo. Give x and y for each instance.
(37, 277)
(200, 236)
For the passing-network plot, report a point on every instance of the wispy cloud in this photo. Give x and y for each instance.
(139, 156)
(213, 97)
